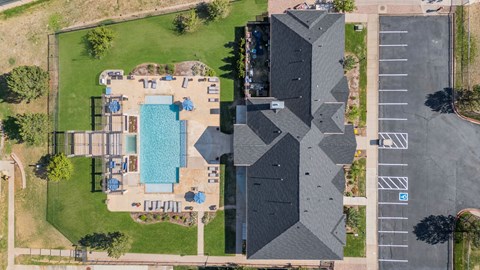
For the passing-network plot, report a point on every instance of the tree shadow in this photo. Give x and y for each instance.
(435, 229)
(11, 128)
(41, 167)
(440, 101)
(5, 94)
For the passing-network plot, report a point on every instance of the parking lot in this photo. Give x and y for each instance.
(432, 164)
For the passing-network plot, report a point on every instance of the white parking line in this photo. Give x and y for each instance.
(403, 246)
(392, 103)
(392, 217)
(392, 164)
(393, 231)
(393, 75)
(393, 45)
(394, 203)
(393, 32)
(391, 260)
(392, 119)
(392, 90)
(393, 60)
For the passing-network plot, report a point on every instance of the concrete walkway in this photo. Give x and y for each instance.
(372, 134)
(99, 257)
(354, 200)
(14, 4)
(22, 169)
(200, 234)
(8, 166)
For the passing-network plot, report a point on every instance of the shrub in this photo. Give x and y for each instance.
(59, 168)
(186, 22)
(32, 128)
(218, 9)
(100, 41)
(353, 114)
(344, 5)
(28, 82)
(352, 217)
(209, 72)
(151, 69)
(170, 69)
(143, 217)
(55, 22)
(348, 194)
(349, 63)
(157, 217)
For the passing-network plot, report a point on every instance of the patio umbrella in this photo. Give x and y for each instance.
(113, 184)
(187, 104)
(199, 197)
(114, 106)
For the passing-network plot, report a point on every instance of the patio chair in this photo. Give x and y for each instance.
(145, 209)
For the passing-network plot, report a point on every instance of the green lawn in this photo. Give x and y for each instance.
(146, 40)
(356, 43)
(76, 211)
(462, 258)
(220, 234)
(355, 246)
(72, 208)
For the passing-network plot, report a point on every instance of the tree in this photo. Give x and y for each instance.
(218, 9)
(186, 22)
(349, 62)
(115, 243)
(59, 168)
(469, 100)
(344, 5)
(32, 128)
(119, 246)
(28, 82)
(100, 40)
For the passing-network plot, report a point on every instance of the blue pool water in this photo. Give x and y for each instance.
(159, 143)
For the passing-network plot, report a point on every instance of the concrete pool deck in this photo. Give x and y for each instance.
(201, 124)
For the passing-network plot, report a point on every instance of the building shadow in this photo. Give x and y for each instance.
(96, 175)
(440, 101)
(96, 107)
(435, 229)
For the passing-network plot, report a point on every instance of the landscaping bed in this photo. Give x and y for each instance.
(355, 176)
(467, 245)
(355, 47)
(356, 235)
(187, 219)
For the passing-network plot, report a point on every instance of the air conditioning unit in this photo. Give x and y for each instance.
(277, 105)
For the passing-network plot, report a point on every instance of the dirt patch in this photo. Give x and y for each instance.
(23, 39)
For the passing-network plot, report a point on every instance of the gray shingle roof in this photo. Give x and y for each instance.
(329, 117)
(294, 185)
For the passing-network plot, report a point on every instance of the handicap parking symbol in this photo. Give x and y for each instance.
(403, 197)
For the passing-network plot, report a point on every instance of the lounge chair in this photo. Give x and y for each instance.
(213, 175)
(211, 181)
(179, 206)
(212, 168)
(213, 99)
(145, 209)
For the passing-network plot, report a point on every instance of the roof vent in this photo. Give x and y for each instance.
(277, 105)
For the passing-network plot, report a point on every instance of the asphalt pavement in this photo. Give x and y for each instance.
(431, 169)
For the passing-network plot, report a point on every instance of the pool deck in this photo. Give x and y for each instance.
(195, 175)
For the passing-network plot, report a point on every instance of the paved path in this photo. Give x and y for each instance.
(372, 134)
(200, 231)
(13, 4)
(98, 257)
(8, 166)
(22, 169)
(362, 142)
(354, 200)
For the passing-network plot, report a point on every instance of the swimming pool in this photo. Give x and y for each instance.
(159, 143)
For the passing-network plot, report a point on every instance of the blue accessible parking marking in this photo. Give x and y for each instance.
(403, 197)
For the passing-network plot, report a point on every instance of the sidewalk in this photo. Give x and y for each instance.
(200, 233)
(6, 165)
(372, 134)
(14, 4)
(354, 200)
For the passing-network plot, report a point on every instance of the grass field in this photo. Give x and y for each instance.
(463, 258)
(72, 208)
(76, 211)
(356, 43)
(3, 224)
(355, 246)
(146, 40)
(220, 234)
